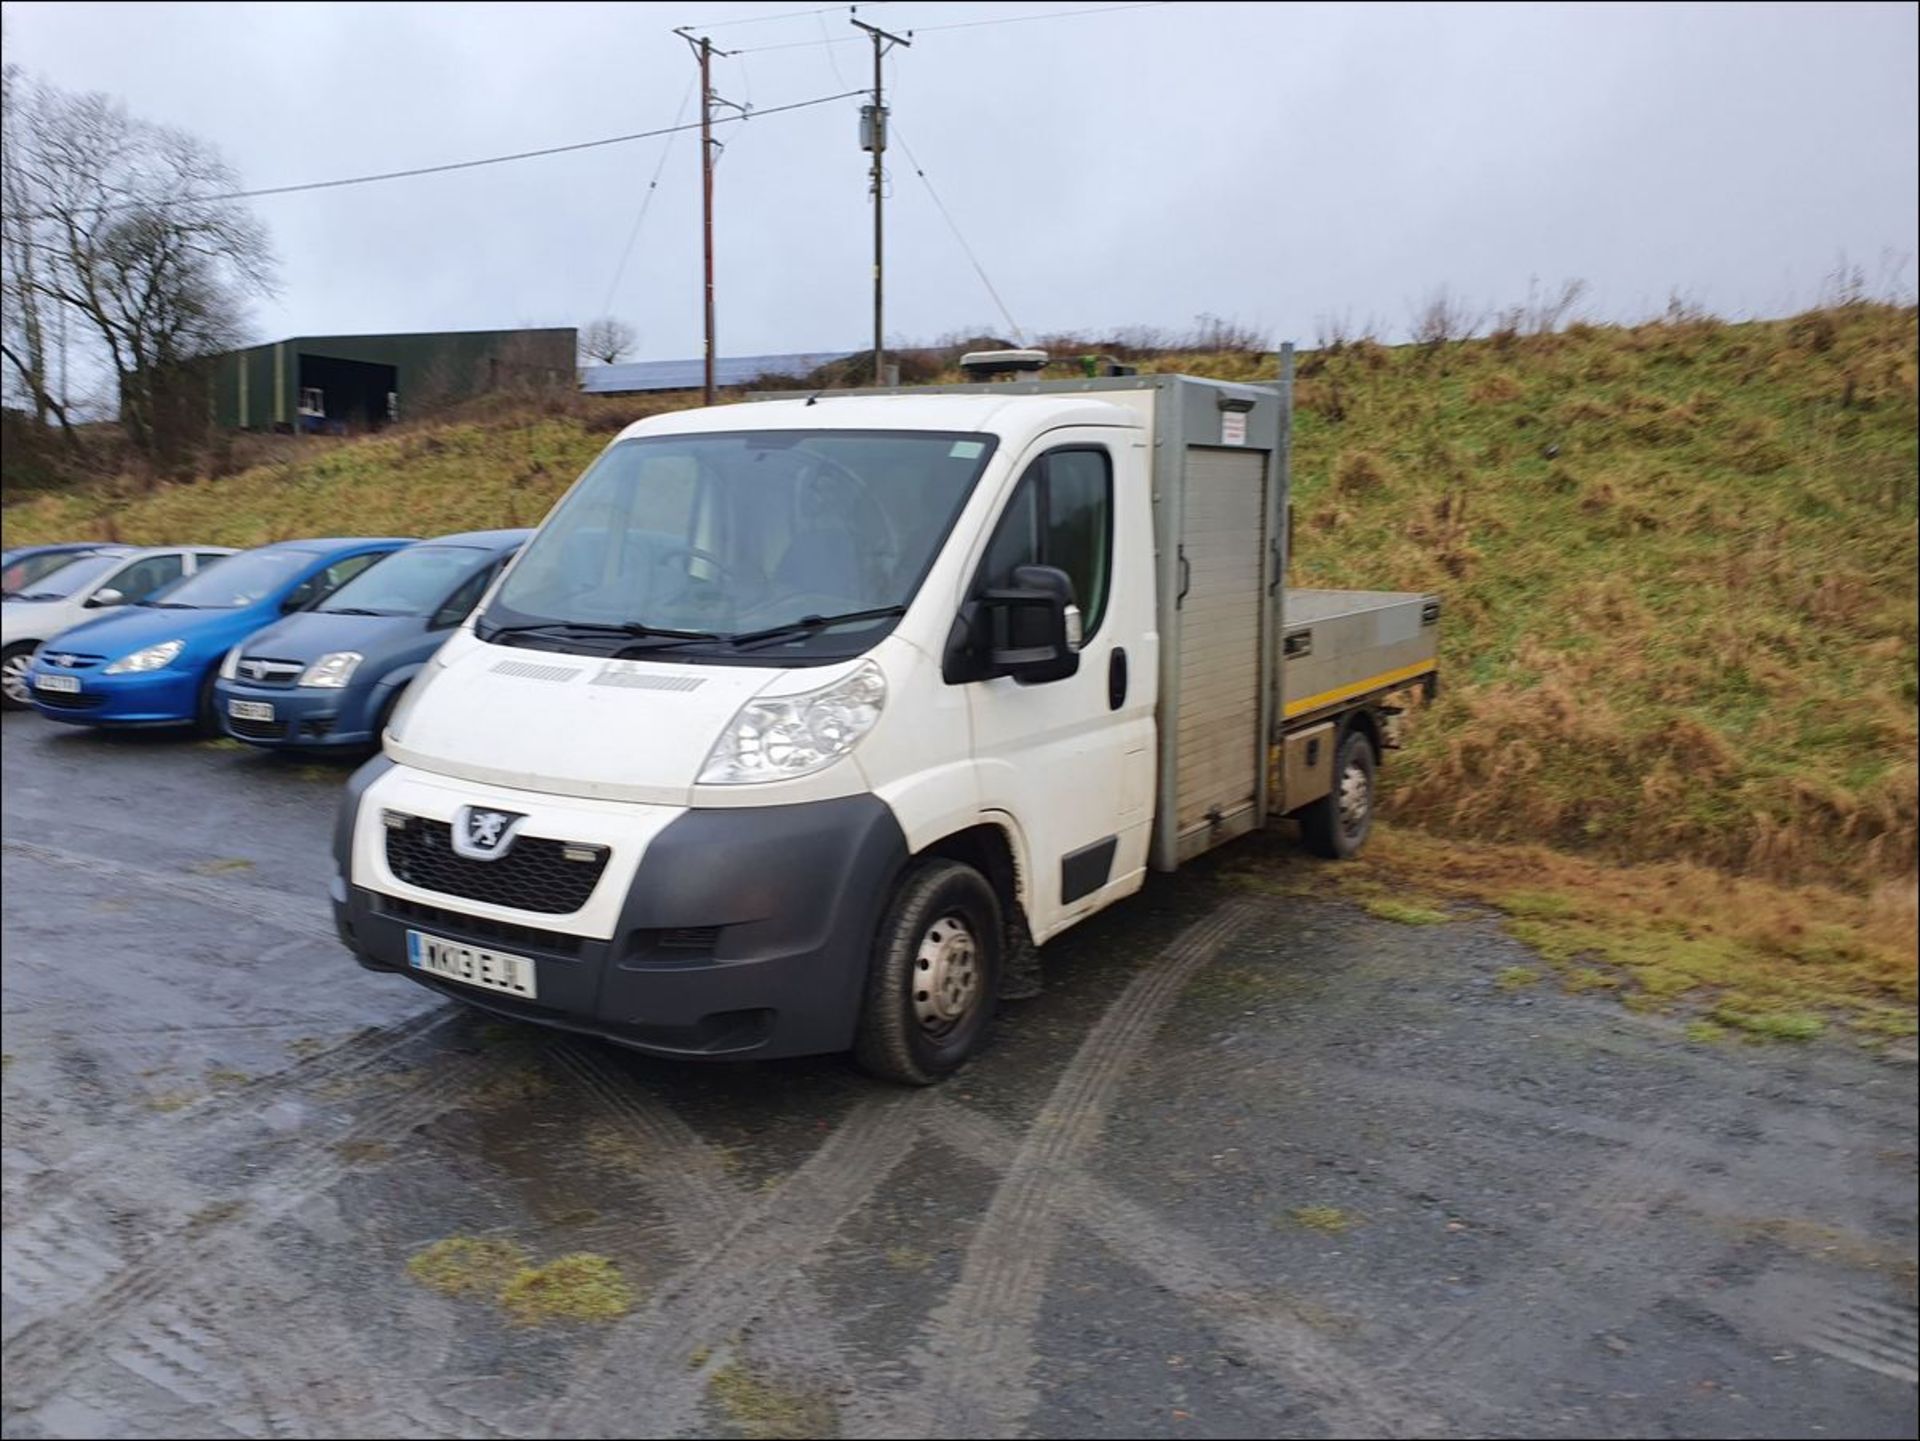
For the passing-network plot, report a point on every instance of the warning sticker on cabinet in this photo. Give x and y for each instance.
(1233, 427)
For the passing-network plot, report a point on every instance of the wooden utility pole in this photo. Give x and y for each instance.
(703, 51)
(873, 137)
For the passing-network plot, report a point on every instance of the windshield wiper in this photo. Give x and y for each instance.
(631, 628)
(354, 610)
(167, 604)
(809, 624)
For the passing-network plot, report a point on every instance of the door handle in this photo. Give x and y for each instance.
(1117, 678)
(1273, 550)
(1186, 575)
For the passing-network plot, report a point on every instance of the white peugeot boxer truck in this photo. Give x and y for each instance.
(799, 723)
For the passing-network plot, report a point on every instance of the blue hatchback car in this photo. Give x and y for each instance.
(154, 663)
(329, 675)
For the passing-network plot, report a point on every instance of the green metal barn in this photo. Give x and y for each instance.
(361, 382)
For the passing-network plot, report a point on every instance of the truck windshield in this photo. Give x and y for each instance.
(694, 541)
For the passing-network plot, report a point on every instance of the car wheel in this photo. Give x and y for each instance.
(15, 662)
(934, 977)
(1337, 825)
(206, 710)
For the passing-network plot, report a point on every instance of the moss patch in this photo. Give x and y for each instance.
(577, 1287)
(1330, 1219)
(1771, 1025)
(223, 866)
(1405, 914)
(467, 1265)
(767, 1410)
(1516, 978)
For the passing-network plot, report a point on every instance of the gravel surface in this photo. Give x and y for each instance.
(1249, 1167)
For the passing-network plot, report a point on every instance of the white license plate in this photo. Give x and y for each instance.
(250, 709)
(471, 965)
(67, 684)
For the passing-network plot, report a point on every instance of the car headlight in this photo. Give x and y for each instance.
(333, 670)
(230, 664)
(777, 738)
(152, 658)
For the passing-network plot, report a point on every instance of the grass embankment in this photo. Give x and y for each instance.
(1679, 566)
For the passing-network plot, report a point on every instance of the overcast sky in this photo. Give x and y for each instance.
(1272, 163)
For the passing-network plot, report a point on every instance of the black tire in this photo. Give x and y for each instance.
(206, 710)
(11, 658)
(942, 925)
(1337, 825)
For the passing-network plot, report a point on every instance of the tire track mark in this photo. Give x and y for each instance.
(256, 903)
(45, 1350)
(702, 1205)
(975, 1363)
(1273, 1337)
(219, 1111)
(727, 1288)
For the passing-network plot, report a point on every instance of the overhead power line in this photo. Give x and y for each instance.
(476, 164)
(953, 225)
(646, 203)
(1050, 15)
(783, 15)
(963, 25)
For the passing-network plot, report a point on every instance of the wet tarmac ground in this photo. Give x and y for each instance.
(1251, 1166)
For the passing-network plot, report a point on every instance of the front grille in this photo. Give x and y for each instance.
(460, 927)
(279, 673)
(66, 700)
(258, 730)
(532, 876)
(74, 661)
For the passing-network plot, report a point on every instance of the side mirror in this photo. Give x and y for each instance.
(107, 596)
(1031, 630)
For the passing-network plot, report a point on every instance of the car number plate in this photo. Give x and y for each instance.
(490, 970)
(68, 684)
(250, 709)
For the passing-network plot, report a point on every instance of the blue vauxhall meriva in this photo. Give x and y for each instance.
(153, 664)
(330, 675)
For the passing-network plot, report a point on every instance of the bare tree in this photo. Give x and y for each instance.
(124, 226)
(608, 340)
(23, 329)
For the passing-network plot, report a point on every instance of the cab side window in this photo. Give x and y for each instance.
(1061, 514)
(144, 577)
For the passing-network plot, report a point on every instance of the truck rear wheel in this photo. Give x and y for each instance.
(935, 975)
(1337, 825)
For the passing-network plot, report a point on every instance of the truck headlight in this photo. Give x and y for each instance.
(332, 671)
(777, 738)
(230, 664)
(152, 658)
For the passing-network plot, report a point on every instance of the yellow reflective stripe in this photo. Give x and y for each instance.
(1339, 693)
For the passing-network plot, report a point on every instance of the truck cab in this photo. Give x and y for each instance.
(799, 723)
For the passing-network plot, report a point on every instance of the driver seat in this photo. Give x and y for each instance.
(823, 561)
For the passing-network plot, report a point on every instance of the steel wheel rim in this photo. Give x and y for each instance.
(13, 677)
(945, 981)
(1355, 798)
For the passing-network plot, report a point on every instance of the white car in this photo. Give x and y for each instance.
(80, 591)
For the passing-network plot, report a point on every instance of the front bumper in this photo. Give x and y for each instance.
(742, 932)
(164, 697)
(302, 717)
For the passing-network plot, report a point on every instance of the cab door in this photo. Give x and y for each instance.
(1071, 760)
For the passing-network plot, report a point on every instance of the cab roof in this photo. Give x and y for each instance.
(1012, 416)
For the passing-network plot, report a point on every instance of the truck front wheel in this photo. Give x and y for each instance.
(1337, 825)
(935, 975)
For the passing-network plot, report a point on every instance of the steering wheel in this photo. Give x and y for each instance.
(694, 552)
(886, 546)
